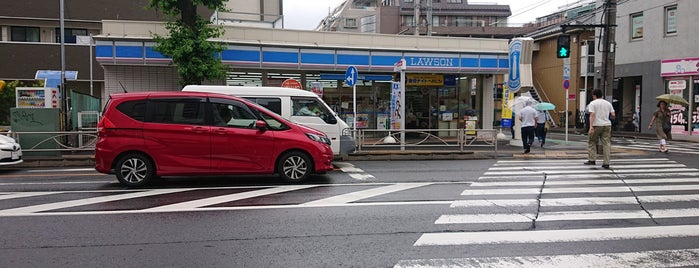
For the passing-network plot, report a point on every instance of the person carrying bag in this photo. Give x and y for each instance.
(663, 126)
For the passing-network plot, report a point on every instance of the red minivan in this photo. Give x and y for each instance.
(149, 134)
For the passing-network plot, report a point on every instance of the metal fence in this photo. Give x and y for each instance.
(422, 139)
(55, 141)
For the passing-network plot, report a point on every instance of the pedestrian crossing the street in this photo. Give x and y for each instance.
(641, 212)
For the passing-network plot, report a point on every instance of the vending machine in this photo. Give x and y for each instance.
(37, 97)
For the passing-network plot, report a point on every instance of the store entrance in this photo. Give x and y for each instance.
(421, 109)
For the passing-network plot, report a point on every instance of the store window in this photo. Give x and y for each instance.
(350, 22)
(25, 34)
(70, 35)
(637, 26)
(671, 20)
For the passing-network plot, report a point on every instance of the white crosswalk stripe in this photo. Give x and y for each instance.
(637, 197)
(652, 145)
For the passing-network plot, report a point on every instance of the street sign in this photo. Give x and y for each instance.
(566, 72)
(292, 83)
(351, 76)
(566, 84)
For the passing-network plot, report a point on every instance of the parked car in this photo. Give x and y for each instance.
(149, 134)
(10, 151)
(289, 103)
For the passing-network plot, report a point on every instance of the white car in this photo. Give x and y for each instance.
(10, 151)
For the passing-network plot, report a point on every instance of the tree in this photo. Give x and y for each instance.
(188, 44)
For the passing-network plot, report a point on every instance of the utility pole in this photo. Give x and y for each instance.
(609, 48)
(428, 19)
(416, 16)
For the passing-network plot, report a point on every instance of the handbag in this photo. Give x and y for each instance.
(547, 126)
(667, 127)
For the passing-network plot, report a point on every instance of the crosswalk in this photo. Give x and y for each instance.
(567, 214)
(678, 147)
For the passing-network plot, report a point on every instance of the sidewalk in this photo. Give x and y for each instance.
(556, 147)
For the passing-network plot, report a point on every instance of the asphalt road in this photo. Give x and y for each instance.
(518, 211)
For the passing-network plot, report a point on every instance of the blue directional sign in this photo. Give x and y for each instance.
(351, 76)
(515, 56)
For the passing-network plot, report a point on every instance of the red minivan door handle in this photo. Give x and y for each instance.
(220, 130)
(197, 129)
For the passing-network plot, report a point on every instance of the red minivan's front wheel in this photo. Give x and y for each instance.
(294, 167)
(134, 170)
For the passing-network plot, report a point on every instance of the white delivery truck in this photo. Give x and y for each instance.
(299, 106)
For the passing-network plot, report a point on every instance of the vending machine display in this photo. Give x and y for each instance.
(36, 97)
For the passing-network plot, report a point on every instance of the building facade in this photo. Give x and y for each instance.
(656, 54)
(423, 17)
(448, 80)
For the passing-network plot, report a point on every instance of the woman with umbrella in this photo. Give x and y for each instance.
(663, 127)
(541, 119)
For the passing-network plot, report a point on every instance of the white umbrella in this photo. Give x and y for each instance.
(520, 102)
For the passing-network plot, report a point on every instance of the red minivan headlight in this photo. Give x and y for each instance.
(318, 138)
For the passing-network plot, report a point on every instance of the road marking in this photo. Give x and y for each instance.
(359, 195)
(301, 206)
(54, 183)
(582, 182)
(567, 216)
(580, 161)
(617, 189)
(6, 196)
(495, 203)
(588, 171)
(227, 198)
(642, 166)
(655, 258)
(87, 201)
(582, 201)
(63, 170)
(556, 236)
(354, 172)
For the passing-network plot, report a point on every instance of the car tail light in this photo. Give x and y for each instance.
(103, 125)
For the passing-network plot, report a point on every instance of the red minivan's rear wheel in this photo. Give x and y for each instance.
(294, 167)
(135, 170)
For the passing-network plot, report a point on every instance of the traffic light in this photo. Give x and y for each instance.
(563, 46)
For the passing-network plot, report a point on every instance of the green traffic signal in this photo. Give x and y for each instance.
(563, 46)
(562, 52)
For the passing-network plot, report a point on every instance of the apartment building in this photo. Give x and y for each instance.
(423, 17)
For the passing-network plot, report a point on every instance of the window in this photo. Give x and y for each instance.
(409, 20)
(70, 34)
(25, 34)
(233, 114)
(178, 111)
(311, 107)
(350, 23)
(637, 26)
(671, 20)
(134, 109)
(435, 21)
(454, 1)
(272, 104)
(407, 1)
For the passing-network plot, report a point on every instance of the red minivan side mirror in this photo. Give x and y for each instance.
(261, 125)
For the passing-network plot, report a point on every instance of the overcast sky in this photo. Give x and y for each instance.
(306, 14)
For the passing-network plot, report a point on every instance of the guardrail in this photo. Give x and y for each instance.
(55, 141)
(458, 139)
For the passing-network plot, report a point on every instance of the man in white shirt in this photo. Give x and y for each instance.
(528, 117)
(600, 128)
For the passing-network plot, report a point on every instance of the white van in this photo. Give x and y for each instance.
(300, 106)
